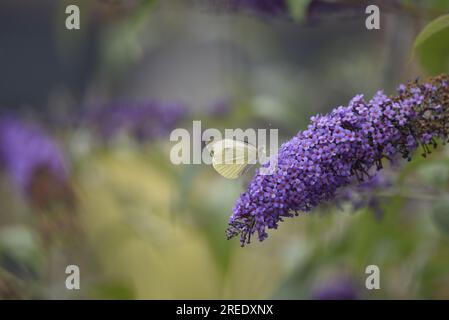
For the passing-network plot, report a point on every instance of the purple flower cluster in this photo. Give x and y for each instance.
(144, 121)
(25, 149)
(336, 148)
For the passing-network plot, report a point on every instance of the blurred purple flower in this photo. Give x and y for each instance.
(265, 7)
(319, 10)
(144, 121)
(219, 108)
(336, 289)
(25, 149)
(337, 147)
(364, 194)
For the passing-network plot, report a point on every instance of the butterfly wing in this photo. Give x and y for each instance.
(233, 158)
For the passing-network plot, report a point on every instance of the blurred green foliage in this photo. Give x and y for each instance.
(297, 8)
(432, 47)
(436, 5)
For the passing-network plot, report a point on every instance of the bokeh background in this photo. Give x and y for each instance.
(86, 178)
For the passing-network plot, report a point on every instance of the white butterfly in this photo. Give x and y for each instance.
(232, 158)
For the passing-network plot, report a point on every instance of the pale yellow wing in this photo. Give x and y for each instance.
(232, 158)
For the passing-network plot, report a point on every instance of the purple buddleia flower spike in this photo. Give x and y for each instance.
(337, 148)
(26, 149)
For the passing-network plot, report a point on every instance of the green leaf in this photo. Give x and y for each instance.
(434, 5)
(298, 8)
(432, 46)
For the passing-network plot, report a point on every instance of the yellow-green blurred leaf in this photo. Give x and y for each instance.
(432, 46)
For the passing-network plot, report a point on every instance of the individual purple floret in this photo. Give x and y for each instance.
(25, 149)
(144, 121)
(344, 145)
